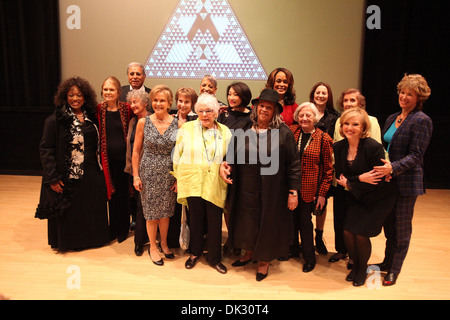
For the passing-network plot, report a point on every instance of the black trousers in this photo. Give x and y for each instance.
(339, 218)
(303, 223)
(200, 209)
(140, 231)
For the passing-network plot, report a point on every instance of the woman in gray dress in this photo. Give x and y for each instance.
(156, 134)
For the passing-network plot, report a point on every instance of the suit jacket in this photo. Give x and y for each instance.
(406, 151)
(126, 89)
(316, 161)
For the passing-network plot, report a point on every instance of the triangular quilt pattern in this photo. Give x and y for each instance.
(204, 37)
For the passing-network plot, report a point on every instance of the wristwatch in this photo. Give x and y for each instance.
(294, 193)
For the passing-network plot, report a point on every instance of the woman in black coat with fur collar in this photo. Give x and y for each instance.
(73, 191)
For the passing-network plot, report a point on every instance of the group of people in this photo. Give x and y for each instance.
(266, 165)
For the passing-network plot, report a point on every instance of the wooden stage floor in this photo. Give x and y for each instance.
(31, 270)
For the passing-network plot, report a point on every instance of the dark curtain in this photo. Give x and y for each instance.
(414, 38)
(30, 72)
(30, 61)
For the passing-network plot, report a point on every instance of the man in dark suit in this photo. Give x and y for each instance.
(136, 78)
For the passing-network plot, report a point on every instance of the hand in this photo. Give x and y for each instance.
(225, 172)
(57, 186)
(174, 187)
(320, 202)
(384, 169)
(342, 181)
(371, 177)
(292, 202)
(137, 183)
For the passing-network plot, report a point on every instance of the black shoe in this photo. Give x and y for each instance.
(351, 276)
(320, 245)
(390, 279)
(261, 276)
(383, 266)
(307, 267)
(160, 262)
(167, 255)
(337, 256)
(220, 268)
(138, 250)
(239, 263)
(190, 263)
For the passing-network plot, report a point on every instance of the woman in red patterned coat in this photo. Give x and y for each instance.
(316, 149)
(113, 119)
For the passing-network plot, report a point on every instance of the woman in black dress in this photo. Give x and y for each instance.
(113, 119)
(73, 191)
(263, 190)
(369, 198)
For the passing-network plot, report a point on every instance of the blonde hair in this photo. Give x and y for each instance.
(164, 89)
(115, 82)
(363, 116)
(418, 84)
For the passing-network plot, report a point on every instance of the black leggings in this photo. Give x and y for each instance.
(359, 250)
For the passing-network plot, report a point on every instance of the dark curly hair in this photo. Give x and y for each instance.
(90, 97)
(290, 96)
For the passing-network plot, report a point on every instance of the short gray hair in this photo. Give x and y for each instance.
(140, 94)
(136, 64)
(208, 100)
(306, 105)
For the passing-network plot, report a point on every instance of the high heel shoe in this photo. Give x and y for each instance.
(160, 262)
(167, 255)
(261, 276)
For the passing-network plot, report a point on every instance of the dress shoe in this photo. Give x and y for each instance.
(220, 268)
(390, 279)
(383, 266)
(337, 256)
(191, 262)
(239, 263)
(160, 262)
(261, 276)
(138, 250)
(360, 279)
(167, 255)
(307, 267)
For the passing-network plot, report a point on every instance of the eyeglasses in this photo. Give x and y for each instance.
(207, 112)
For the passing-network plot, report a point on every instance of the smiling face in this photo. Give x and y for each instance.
(206, 116)
(265, 111)
(281, 84)
(136, 77)
(207, 87)
(352, 127)
(75, 99)
(306, 119)
(234, 101)
(109, 91)
(184, 104)
(137, 106)
(321, 96)
(350, 100)
(407, 99)
(160, 104)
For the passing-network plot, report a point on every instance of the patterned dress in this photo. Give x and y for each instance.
(158, 201)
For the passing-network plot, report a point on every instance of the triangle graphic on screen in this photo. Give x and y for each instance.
(204, 37)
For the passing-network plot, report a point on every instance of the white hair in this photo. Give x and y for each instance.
(209, 101)
(307, 105)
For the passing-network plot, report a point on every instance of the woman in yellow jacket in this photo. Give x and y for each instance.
(200, 148)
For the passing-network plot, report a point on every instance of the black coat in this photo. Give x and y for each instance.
(54, 153)
(275, 229)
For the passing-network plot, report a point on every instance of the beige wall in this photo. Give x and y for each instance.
(318, 40)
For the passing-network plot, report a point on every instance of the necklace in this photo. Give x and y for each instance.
(400, 118)
(210, 160)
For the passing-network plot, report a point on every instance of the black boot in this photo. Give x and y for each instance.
(320, 245)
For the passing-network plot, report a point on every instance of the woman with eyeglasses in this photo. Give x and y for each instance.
(200, 147)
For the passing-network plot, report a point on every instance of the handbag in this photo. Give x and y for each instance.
(185, 233)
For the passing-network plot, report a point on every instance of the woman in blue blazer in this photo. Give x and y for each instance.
(407, 134)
